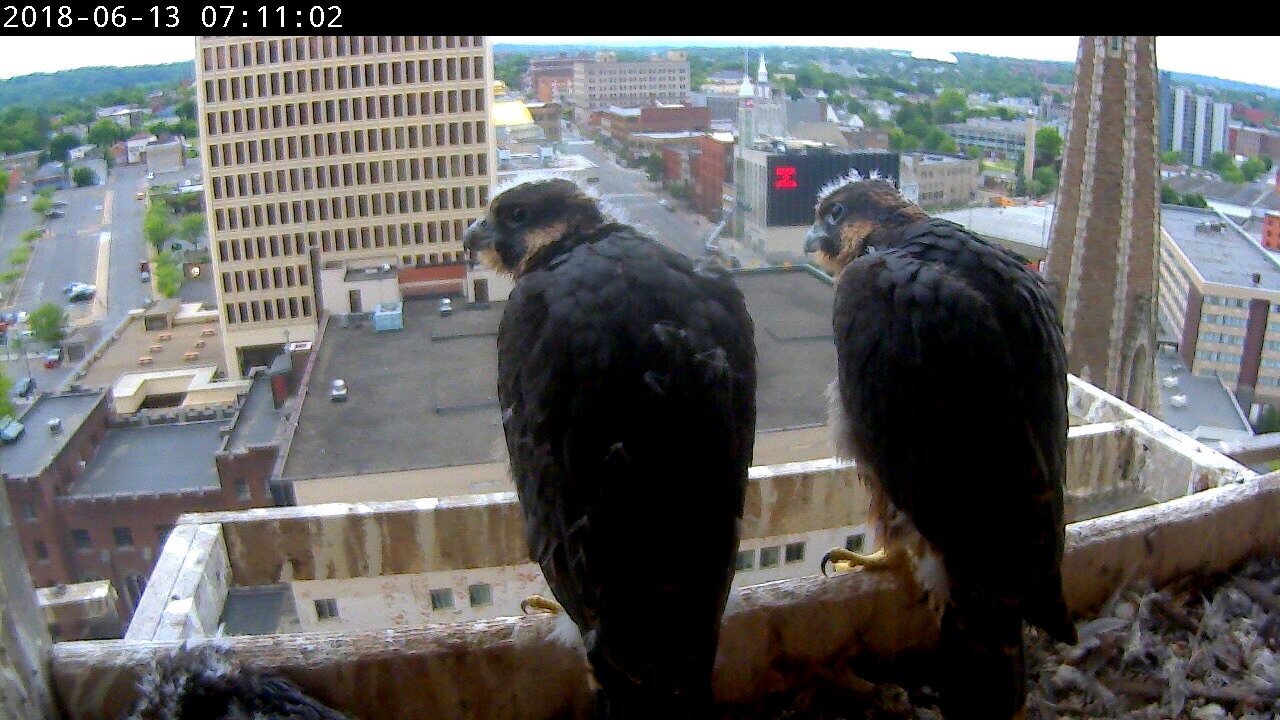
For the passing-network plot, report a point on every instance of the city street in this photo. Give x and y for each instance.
(96, 216)
(630, 190)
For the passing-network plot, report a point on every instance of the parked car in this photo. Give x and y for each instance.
(59, 204)
(25, 387)
(55, 214)
(53, 358)
(22, 198)
(84, 293)
(446, 307)
(338, 390)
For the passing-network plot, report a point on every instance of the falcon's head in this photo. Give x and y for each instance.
(525, 220)
(855, 217)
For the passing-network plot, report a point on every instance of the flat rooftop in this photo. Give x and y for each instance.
(258, 420)
(153, 459)
(1027, 225)
(1209, 404)
(791, 308)
(426, 396)
(32, 453)
(1228, 257)
(421, 397)
(135, 342)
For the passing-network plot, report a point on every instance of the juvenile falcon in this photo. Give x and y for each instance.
(951, 396)
(626, 377)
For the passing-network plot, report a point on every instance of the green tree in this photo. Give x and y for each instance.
(32, 235)
(654, 167)
(156, 227)
(1171, 157)
(900, 141)
(937, 140)
(973, 152)
(186, 109)
(191, 227)
(1268, 163)
(41, 205)
(509, 67)
(60, 144)
(6, 405)
(168, 275)
(1253, 167)
(1048, 146)
(48, 323)
(84, 176)
(105, 133)
(1169, 196)
(19, 256)
(1233, 175)
(1220, 162)
(1044, 180)
(951, 107)
(1195, 200)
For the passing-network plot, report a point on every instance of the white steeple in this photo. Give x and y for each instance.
(762, 75)
(746, 90)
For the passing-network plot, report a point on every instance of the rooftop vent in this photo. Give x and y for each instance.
(55, 426)
(1257, 278)
(1178, 401)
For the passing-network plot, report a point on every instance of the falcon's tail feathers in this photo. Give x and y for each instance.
(982, 672)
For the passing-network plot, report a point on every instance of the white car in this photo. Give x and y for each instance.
(338, 390)
(22, 198)
(84, 292)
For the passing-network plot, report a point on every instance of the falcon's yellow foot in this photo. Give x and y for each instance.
(845, 560)
(538, 604)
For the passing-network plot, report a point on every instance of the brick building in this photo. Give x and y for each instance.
(551, 78)
(1271, 231)
(606, 82)
(711, 166)
(1255, 142)
(1102, 250)
(546, 115)
(94, 496)
(618, 123)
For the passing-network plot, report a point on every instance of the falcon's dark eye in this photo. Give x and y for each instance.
(835, 214)
(517, 215)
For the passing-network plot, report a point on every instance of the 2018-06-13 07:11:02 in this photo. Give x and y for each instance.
(314, 17)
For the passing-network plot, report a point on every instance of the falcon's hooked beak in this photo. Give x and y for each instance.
(813, 239)
(478, 240)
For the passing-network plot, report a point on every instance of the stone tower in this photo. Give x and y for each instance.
(1104, 247)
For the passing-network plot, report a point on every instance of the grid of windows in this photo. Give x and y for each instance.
(352, 146)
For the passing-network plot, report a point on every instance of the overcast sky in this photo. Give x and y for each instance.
(1247, 59)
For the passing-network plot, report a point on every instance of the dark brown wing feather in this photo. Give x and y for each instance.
(627, 379)
(952, 368)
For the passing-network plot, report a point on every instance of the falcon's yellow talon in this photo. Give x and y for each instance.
(540, 604)
(845, 560)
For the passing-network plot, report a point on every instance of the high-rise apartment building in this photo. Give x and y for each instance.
(1199, 125)
(316, 150)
